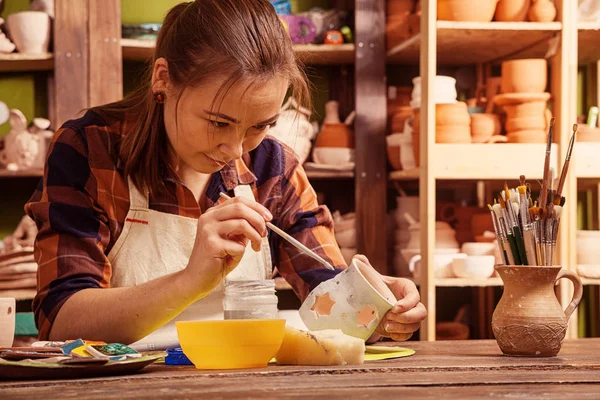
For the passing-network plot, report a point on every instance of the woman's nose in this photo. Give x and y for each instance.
(232, 150)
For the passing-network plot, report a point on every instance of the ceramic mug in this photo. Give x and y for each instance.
(7, 321)
(442, 263)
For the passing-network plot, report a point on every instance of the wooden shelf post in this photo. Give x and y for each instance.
(88, 63)
(370, 125)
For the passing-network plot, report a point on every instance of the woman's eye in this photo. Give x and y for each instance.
(218, 124)
(264, 126)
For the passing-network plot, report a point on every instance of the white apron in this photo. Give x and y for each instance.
(154, 244)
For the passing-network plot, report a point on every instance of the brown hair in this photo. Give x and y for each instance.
(243, 39)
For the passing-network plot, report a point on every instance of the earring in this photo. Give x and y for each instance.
(159, 97)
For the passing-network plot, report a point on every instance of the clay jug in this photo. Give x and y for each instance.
(529, 320)
(512, 10)
(335, 133)
(542, 11)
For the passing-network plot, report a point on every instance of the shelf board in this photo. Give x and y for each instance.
(312, 174)
(17, 62)
(586, 161)
(588, 38)
(19, 294)
(26, 173)
(485, 161)
(405, 175)
(142, 50)
(590, 281)
(463, 43)
(466, 282)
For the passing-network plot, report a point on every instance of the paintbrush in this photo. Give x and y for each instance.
(557, 215)
(507, 239)
(549, 229)
(293, 241)
(544, 191)
(500, 239)
(515, 226)
(534, 213)
(528, 231)
(565, 168)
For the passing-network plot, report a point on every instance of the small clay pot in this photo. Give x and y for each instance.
(529, 320)
(527, 137)
(512, 10)
(524, 76)
(453, 134)
(542, 11)
(586, 133)
(525, 124)
(526, 110)
(29, 31)
(335, 135)
(452, 114)
(484, 126)
(466, 10)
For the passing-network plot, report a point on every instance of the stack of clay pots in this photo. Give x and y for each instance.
(500, 10)
(335, 141)
(524, 100)
(465, 10)
(345, 234)
(399, 141)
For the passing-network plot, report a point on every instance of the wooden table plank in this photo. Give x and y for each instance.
(468, 369)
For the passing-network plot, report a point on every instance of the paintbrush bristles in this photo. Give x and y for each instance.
(522, 189)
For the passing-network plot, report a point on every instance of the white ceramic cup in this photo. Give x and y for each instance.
(30, 31)
(442, 264)
(476, 267)
(7, 321)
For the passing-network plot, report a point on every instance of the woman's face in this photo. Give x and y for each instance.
(205, 133)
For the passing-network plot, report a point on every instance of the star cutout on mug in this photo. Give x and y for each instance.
(367, 316)
(323, 305)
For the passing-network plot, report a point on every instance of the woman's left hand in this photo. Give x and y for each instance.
(406, 315)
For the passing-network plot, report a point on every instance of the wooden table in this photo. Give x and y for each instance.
(439, 370)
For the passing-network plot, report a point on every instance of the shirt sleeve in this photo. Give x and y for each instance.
(73, 232)
(312, 225)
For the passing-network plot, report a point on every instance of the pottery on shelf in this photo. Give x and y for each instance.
(588, 251)
(335, 133)
(399, 151)
(294, 128)
(452, 114)
(524, 75)
(30, 31)
(474, 267)
(453, 134)
(442, 262)
(399, 118)
(512, 10)
(444, 91)
(466, 10)
(530, 136)
(586, 133)
(529, 320)
(542, 11)
(24, 149)
(338, 156)
(484, 126)
(6, 46)
(534, 122)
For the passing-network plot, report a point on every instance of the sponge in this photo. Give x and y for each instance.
(325, 347)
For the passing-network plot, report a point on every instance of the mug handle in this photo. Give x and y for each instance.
(413, 261)
(577, 292)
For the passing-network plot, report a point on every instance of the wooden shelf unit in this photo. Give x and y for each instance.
(17, 62)
(588, 50)
(28, 173)
(464, 43)
(142, 50)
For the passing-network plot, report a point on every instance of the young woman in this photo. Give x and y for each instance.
(132, 232)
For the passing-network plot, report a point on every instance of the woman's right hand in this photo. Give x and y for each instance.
(221, 239)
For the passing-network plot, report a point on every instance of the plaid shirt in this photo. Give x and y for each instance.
(81, 203)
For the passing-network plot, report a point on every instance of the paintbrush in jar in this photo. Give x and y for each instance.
(509, 232)
(507, 239)
(544, 190)
(555, 225)
(548, 231)
(528, 231)
(565, 168)
(534, 213)
(514, 224)
(500, 238)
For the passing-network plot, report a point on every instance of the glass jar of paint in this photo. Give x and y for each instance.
(250, 300)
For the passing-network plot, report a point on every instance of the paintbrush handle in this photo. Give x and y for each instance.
(563, 177)
(529, 241)
(520, 245)
(510, 259)
(514, 250)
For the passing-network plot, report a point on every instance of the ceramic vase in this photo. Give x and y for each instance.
(529, 320)
(354, 301)
(30, 31)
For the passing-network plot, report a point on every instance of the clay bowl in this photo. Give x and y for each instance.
(335, 135)
(512, 10)
(524, 76)
(526, 137)
(453, 134)
(484, 126)
(452, 114)
(466, 10)
(333, 155)
(526, 123)
(586, 133)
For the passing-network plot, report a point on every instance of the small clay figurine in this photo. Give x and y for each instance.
(6, 46)
(334, 37)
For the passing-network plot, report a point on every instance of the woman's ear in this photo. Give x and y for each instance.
(160, 76)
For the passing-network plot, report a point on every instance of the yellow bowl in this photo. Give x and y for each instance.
(231, 344)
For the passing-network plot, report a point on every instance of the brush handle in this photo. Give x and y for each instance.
(563, 177)
(510, 259)
(529, 239)
(520, 245)
(514, 250)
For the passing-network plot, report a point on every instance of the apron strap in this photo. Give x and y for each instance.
(137, 200)
(245, 191)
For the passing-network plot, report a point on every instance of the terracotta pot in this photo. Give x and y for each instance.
(526, 137)
(30, 31)
(484, 126)
(393, 155)
(452, 114)
(528, 75)
(542, 11)
(335, 135)
(395, 7)
(480, 223)
(453, 134)
(529, 320)
(398, 99)
(512, 10)
(466, 10)
(525, 110)
(399, 118)
(526, 123)
(586, 133)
